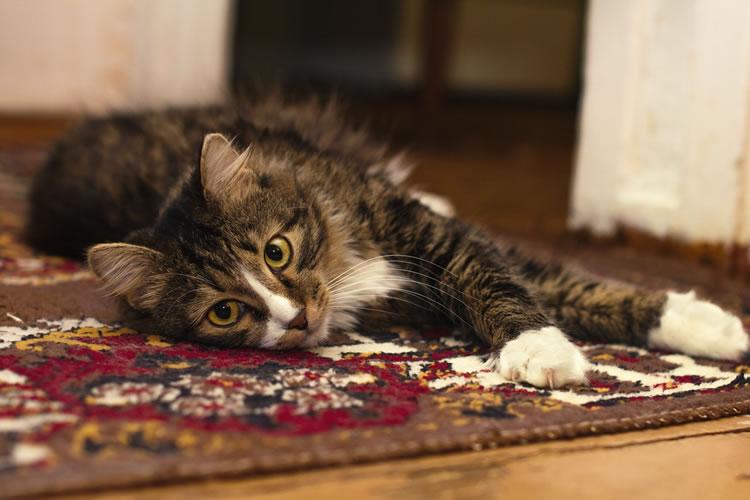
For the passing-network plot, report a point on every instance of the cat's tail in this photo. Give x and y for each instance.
(594, 310)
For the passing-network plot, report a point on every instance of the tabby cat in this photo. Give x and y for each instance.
(274, 224)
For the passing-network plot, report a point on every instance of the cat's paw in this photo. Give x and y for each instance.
(544, 358)
(699, 328)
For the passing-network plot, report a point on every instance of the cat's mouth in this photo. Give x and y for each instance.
(312, 336)
(291, 339)
(317, 330)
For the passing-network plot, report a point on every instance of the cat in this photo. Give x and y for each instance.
(274, 224)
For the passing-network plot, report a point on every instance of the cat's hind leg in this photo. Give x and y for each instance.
(600, 312)
(589, 309)
(699, 328)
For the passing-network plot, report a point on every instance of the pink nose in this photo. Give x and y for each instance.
(299, 322)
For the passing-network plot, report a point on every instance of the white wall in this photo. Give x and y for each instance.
(94, 55)
(664, 120)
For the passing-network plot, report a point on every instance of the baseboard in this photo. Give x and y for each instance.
(733, 260)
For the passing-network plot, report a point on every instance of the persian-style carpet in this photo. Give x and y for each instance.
(85, 402)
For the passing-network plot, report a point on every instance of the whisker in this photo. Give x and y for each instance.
(391, 258)
(366, 309)
(338, 285)
(352, 268)
(430, 300)
(409, 271)
(354, 308)
(406, 280)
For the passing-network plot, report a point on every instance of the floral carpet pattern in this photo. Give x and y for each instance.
(86, 402)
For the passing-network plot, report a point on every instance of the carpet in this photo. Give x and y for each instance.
(86, 403)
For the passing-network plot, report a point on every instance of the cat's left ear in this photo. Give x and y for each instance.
(222, 166)
(128, 271)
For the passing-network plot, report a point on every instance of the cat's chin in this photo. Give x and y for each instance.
(317, 334)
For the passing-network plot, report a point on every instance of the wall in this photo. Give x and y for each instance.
(664, 120)
(72, 55)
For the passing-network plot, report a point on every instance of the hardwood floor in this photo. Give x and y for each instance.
(508, 169)
(707, 460)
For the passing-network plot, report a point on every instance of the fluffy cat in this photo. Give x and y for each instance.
(274, 224)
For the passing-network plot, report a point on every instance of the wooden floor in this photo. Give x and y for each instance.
(707, 460)
(513, 177)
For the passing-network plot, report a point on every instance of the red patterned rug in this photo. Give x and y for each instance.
(85, 403)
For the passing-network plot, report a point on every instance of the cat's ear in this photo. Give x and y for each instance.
(128, 271)
(222, 165)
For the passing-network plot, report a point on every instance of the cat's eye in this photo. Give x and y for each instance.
(278, 253)
(225, 313)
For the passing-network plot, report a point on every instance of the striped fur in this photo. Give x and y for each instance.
(365, 249)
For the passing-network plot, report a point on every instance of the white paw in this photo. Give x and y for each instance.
(438, 204)
(544, 358)
(699, 328)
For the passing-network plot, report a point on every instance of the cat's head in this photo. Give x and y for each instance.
(243, 253)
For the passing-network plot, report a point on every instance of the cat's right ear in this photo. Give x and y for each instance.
(221, 166)
(128, 271)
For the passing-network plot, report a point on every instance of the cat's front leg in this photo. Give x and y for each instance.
(468, 279)
(529, 347)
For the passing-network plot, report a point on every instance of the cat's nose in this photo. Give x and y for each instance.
(299, 322)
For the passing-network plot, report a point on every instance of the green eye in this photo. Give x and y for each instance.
(224, 313)
(278, 253)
